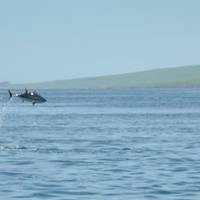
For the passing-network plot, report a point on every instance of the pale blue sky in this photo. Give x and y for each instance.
(59, 39)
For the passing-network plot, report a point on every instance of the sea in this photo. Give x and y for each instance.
(131, 144)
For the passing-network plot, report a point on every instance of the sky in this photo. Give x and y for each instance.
(43, 40)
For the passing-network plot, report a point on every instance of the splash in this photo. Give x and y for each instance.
(4, 112)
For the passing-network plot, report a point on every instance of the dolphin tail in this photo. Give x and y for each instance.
(10, 94)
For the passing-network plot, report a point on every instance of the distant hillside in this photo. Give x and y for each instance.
(4, 84)
(187, 76)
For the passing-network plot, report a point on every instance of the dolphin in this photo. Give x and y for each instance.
(32, 97)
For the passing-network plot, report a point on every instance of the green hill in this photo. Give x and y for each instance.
(187, 76)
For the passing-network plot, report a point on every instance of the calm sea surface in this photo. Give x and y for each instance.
(138, 144)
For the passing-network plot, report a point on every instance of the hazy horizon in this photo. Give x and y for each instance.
(100, 75)
(49, 40)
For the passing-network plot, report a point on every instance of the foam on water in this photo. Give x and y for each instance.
(4, 111)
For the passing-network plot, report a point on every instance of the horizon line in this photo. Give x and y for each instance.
(97, 76)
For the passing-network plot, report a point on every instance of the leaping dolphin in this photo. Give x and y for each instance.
(33, 97)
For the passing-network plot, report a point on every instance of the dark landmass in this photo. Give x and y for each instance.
(4, 84)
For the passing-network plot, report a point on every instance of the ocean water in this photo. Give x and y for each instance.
(138, 144)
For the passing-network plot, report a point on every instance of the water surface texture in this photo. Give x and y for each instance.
(90, 145)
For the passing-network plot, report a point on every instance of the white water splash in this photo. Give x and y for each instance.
(4, 112)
